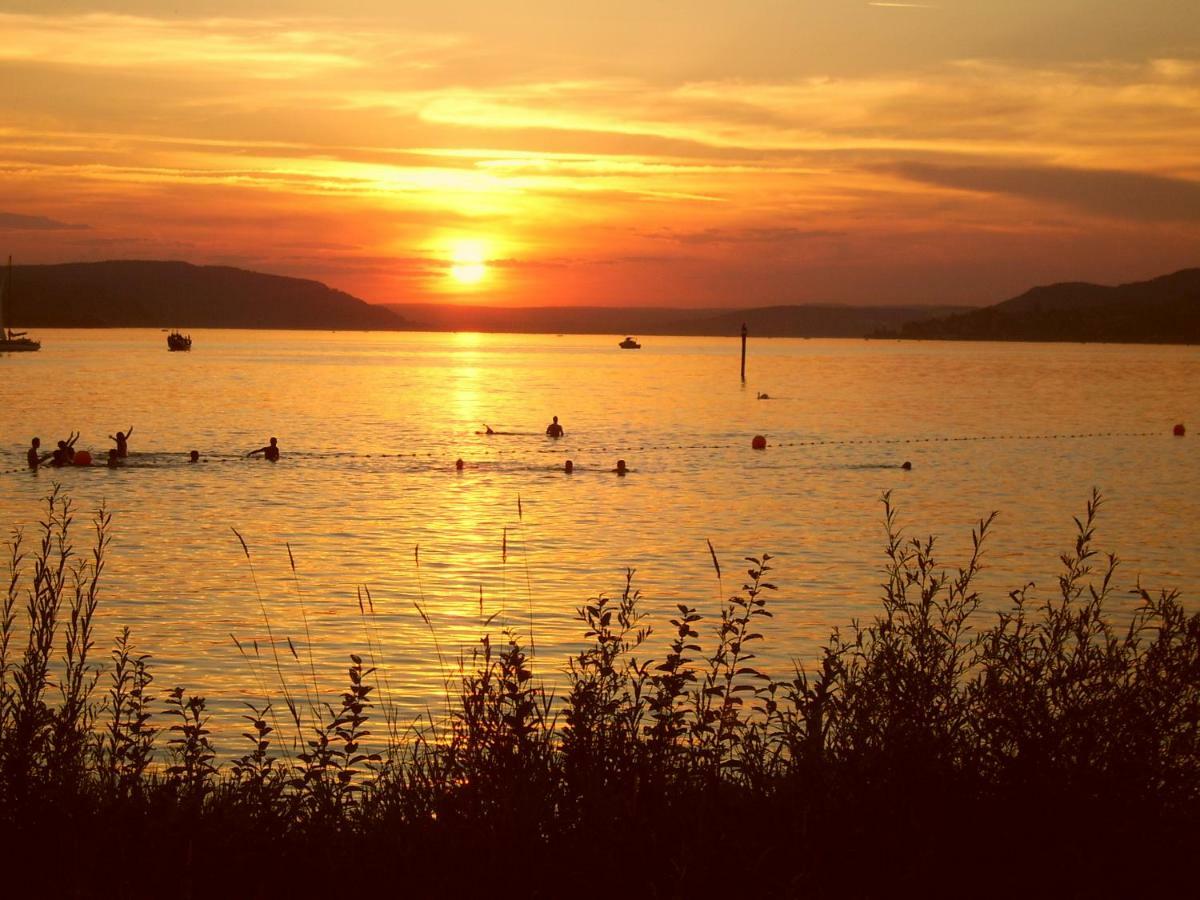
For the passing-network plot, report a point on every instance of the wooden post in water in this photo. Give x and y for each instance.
(743, 353)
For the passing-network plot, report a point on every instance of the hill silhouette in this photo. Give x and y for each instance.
(1163, 310)
(142, 293)
(768, 321)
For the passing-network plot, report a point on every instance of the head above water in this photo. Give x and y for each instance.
(569, 467)
(458, 464)
(274, 441)
(194, 456)
(556, 419)
(36, 442)
(620, 469)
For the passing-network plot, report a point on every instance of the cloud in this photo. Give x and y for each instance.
(18, 222)
(765, 235)
(1107, 192)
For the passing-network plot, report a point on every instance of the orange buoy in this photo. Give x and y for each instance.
(1180, 430)
(759, 442)
(82, 458)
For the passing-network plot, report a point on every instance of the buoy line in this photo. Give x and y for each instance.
(170, 458)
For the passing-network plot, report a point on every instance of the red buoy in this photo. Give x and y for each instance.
(82, 458)
(759, 442)
(1180, 430)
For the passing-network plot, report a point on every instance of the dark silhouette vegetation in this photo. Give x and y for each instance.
(1164, 310)
(937, 749)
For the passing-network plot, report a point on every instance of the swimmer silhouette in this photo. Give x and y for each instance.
(458, 464)
(269, 452)
(487, 429)
(907, 466)
(554, 430)
(122, 439)
(569, 467)
(620, 469)
(35, 457)
(114, 458)
(194, 456)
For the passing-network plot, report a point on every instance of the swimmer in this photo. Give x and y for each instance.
(114, 458)
(122, 440)
(487, 429)
(34, 456)
(269, 452)
(194, 456)
(458, 464)
(620, 469)
(569, 467)
(554, 430)
(907, 466)
(67, 449)
(764, 396)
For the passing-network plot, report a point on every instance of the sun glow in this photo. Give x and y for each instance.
(468, 261)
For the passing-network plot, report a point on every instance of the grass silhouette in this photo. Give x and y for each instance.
(936, 749)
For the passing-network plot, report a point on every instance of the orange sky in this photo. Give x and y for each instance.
(656, 152)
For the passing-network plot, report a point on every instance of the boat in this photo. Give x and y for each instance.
(177, 341)
(12, 341)
(630, 344)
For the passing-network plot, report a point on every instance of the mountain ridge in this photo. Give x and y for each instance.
(160, 293)
(1160, 310)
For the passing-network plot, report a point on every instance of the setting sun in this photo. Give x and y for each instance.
(469, 261)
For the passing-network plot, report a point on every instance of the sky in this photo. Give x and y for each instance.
(655, 153)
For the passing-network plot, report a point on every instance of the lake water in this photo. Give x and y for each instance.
(370, 426)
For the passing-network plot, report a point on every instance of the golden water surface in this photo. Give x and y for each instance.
(370, 426)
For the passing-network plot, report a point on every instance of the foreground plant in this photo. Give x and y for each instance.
(700, 772)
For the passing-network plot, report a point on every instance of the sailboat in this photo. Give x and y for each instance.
(12, 341)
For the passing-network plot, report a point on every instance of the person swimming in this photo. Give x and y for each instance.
(458, 464)
(620, 469)
(907, 466)
(569, 467)
(194, 456)
(35, 457)
(554, 430)
(66, 450)
(122, 439)
(269, 452)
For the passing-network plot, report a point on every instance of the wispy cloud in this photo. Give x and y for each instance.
(1131, 195)
(19, 222)
(735, 235)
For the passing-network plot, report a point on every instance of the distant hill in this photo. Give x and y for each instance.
(767, 321)
(1164, 310)
(135, 293)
